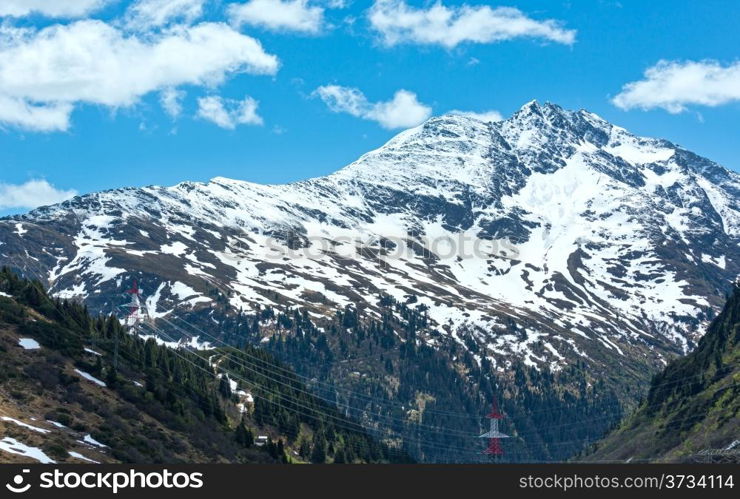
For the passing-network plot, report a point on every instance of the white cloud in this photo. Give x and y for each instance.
(171, 101)
(39, 118)
(343, 99)
(279, 15)
(228, 113)
(50, 8)
(144, 14)
(397, 22)
(403, 111)
(484, 116)
(92, 62)
(673, 85)
(32, 194)
(337, 4)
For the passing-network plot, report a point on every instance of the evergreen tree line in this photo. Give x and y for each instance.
(381, 366)
(179, 389)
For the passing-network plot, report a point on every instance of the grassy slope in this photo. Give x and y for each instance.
(157, 406)
(692, 406)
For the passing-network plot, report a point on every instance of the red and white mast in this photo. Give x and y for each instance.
(134, 306)
(493, 435)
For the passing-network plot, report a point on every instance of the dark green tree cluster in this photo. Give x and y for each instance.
(178, 388)
(285, 403)
(359, 356)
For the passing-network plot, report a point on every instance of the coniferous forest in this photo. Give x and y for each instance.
(160, 404)
(405, 391)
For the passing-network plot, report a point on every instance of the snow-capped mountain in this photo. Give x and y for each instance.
(590, 240)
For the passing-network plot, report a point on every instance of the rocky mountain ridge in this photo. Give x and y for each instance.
(596, 242)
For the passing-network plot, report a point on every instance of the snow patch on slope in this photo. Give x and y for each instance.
(13, 446)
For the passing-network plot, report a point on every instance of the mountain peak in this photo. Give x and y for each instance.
(532, 105)
(534, 114)
(535, 107)
(598, 242)
(461, 149)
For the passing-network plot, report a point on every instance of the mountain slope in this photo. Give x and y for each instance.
(553, 216)
(692, 411)
(78, 389)
(552, 243)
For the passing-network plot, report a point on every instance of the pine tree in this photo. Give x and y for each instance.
(244, 436)
(224, 387)
(111, 378)
(318, 456)
(340, 457)
(280, 451)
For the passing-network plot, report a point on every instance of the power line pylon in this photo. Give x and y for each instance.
(136, 312)
(131, 320)
(493, 435)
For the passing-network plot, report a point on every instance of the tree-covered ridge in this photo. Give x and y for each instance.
(412, 385)
(692, 411)
(159, 404)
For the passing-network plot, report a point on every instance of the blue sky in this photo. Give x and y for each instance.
(280, 90)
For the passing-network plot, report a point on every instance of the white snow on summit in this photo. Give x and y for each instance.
(551, 217)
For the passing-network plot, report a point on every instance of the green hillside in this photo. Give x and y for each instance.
(691, 411)
(76, 388)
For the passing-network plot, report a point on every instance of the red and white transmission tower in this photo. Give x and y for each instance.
(136, 312)
(493, 435)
